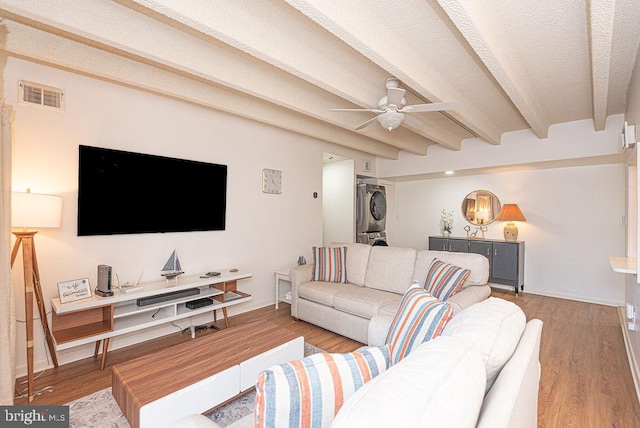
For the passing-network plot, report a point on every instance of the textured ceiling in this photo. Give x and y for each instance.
(510, 65)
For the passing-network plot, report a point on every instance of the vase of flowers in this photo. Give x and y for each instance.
(447, 222)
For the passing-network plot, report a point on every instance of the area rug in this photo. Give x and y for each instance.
(100, 410)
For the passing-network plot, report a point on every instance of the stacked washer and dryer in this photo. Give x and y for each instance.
(371, 214)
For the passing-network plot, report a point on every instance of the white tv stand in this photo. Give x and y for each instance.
(98, 319)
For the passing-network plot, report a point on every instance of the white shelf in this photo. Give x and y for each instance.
(128, 317)
(145, 319)
(130, 307)
(627, 265)
(149, 289)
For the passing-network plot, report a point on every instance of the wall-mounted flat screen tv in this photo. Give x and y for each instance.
(123, 192)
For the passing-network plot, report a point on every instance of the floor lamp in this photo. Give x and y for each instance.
(33, 210)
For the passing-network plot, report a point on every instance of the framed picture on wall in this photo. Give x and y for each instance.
(76, 289)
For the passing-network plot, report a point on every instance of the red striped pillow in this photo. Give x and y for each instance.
(420, 318)
(310, 392)
(444, 279)
(330, 264)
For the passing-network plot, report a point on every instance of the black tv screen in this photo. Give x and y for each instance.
(123, 192)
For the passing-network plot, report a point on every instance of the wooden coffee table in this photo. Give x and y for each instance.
(157, 389)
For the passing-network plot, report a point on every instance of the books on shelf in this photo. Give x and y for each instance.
(230, 295)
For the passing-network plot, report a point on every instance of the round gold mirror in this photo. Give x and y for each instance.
(480, 207)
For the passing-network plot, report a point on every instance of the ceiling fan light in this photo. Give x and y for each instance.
(390, 120)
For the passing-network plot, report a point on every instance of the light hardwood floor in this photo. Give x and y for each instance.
(585, 382)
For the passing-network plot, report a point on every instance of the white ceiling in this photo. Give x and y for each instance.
(511, 65)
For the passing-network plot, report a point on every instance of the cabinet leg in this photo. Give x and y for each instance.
(97, 349)
(105, 348)
(226, 317)
(215, 317)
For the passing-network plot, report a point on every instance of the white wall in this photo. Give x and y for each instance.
(263, 232)
(574, 223)
(338, 202)
(574, 213)
(632, 285)
(572, 140)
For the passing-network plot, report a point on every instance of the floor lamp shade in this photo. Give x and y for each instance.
(35, 210)
(510, 213)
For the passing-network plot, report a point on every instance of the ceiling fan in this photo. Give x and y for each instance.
(392, 107)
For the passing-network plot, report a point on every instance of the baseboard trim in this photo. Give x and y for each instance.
(573, 297)
(633, 363)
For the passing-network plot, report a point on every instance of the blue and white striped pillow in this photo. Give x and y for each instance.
(444, 279)
(310, 392)
(330, 264)
(420, 318)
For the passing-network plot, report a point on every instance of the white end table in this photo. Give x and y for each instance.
(281, 275)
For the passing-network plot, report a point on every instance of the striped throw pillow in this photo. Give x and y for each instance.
(310, 392)
(444, 279)
(330, 264)
(420, 318)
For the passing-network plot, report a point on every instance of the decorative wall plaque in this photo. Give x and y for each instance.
(76, 289)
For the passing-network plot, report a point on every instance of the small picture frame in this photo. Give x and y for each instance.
(76, 289)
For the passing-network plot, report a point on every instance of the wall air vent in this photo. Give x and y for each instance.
(41, 95)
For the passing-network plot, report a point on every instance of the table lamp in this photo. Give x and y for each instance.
(510, 213)
(33, 210)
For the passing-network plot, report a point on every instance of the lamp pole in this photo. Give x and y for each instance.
(31, 286)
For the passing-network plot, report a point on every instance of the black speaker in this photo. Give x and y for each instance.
(104, 281)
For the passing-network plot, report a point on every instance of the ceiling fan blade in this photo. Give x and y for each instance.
(367, 123)
(394, 96)
(420, 108)
(413, 122)
(372, 110)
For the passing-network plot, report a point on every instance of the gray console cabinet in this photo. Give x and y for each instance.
(448, 244)
(506, 259)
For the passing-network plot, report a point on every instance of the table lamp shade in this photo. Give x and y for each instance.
(510, 213)
(35, 210)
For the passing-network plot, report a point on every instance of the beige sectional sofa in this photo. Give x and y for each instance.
(483, 371)
(377, 279)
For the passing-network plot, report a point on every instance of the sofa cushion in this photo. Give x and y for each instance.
(495, 326)
(441, 384)
(390, 308)
(357, 261)
(476, 263)
(468, 296)
(420, 318)
(329, 264)
(322, 292)
(310, 391)
(362, 301)
(390, 269)
(444, 279)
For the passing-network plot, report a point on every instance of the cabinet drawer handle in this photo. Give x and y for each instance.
(495, 251)
(450, 246)
(488, 252)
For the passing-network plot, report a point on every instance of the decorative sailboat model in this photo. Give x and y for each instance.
(171, 268)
